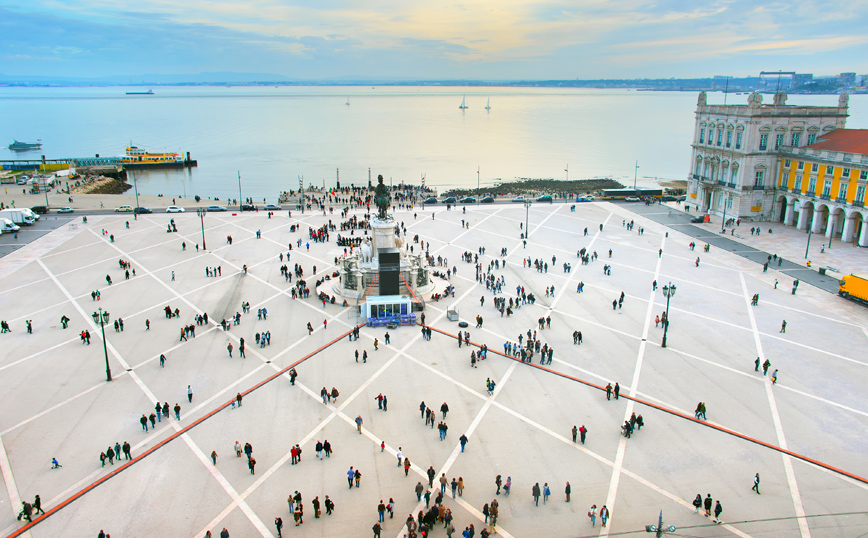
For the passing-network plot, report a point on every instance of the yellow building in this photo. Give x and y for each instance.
(822, 185)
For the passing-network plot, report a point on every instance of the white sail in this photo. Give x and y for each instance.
(488, 104)
(463, 105)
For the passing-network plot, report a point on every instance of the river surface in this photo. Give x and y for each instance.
(272, 136)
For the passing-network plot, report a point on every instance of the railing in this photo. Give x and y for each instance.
(811, 194)
(841, 200)
(732, 185)
(858, 203)
(759, 187)
(782, 188)
(696, 176)
(825, 197)
(721, 183)
(797, 191)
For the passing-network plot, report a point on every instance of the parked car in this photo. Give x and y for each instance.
(66, 209)
(584, 199)
(142, 210)
(518, 199)
(545, 198)
(668, 198)
(701, 218)
(248, 207)
(632, 199)
(123, 209)
(488, 200)
(215, 208)
(468, 200)
(174, 209)
(682, 198)
(271, 207)
(430, 201)
(450, 200)
(39, 209)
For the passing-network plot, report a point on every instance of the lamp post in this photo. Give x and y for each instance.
(659, 530)
(240, 199)
(567, 170)
(526, 220)
(808, 248)
(477, 185)
(103, 318)
(201, 212)
(136, 189)
(45, 187)
(668, 291)
(635, 175)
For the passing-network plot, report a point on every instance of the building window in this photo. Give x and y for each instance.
(787, 163)
(814, 167)
(728, 138)
(796, 137)
(738, 137)
(842, 190)
(812, 186)
(783, 180)
(764, 142)
(830, 170)
(827, 188)
(734, 176)
(801, 165)
(710, 136)
(719, 137)
(702, 136)
(846, 173)
(863, 174)
(798, 183)
(779, 141)
(758, 181)
(698, 168)
(812, 138)
(860, 194)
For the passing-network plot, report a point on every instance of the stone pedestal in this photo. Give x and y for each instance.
(383, 232)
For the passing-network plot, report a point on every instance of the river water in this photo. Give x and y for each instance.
(274, 135)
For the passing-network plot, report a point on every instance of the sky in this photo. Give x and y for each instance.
(433, 39)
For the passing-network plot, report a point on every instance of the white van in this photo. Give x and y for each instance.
(30, 213)
(7, 226)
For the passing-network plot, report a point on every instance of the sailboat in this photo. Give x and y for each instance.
(348, 100)
(463, 105)
(488, 104)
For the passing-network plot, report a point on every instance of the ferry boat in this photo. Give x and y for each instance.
(149, 92)
(136, 157)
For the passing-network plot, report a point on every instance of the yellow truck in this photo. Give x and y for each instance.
(854, 287)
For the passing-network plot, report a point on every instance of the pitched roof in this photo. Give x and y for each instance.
(846, 140)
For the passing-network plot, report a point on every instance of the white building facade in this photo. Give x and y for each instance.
(735, 151)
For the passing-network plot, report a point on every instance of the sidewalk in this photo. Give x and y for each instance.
(776, 239)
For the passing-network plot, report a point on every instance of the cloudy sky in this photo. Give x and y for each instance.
(478, 39)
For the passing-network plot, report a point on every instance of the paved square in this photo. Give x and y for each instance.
(57, 404)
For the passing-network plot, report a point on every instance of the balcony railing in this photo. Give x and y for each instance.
(797, 191)
(858, 203)
(782, 188)
(841, 199)
(721, 183)
(758, 187)
(731, 185)
(811, 194)
(696, 176)
(825, 197)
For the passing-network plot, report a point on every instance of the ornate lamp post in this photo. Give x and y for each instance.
(668, 291)
(201, 212)
(103, 318)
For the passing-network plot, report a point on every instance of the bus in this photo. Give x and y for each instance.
(620, 194)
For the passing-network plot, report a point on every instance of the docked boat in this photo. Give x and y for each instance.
(24, 146)
(136, 157)
(149, 92)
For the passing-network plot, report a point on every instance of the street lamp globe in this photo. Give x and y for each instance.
(105, 317)
(669, 291)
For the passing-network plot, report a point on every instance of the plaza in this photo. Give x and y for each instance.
(57, 404)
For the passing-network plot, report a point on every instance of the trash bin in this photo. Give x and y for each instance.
(822, 270)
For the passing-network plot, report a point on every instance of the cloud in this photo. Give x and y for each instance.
(503, 38)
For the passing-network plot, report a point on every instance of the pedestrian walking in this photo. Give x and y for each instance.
(707, 504)
(189, 393)
(592, 513)
(784, 326)
(278, 524)
(575, 432)
(609, 391)
(617, 390)
(567, 491)
(535, 491)
(604, 515)
(697, 503)
(718, 509)
(756, 483)
(582, 433)
(214, 457)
